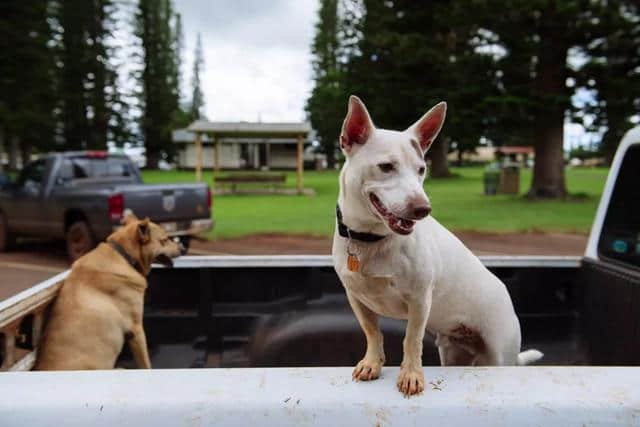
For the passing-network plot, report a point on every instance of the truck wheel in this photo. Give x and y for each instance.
(186, 241)
(79, 240)
(6, 239)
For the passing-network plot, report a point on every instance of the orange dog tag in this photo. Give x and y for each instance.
(353, 263)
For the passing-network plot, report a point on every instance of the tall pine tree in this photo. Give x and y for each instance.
(159, 77)
(405, 62)
(197, 97)
(88, 91)
(613, 71)
(326, 106)
(27, 98)
(538, 36)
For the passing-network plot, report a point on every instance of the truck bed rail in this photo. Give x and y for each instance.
(453, 396)
(21, 323)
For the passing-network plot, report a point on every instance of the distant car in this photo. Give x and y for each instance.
(81, 197)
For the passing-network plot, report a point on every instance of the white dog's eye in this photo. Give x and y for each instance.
(386, 167)
(421, 170)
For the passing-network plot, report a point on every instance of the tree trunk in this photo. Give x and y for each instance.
(617, 125)
(25, 153)
(99, 126)
(330, 152)
(438, 155)
(153, 158)
(3, 147)
(460, 157)
(548, 171)
(608, 145)
(12, 152)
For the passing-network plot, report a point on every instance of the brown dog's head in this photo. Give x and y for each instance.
(146, 242)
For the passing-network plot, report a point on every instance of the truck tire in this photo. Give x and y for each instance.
(6, 238)
(79, 240)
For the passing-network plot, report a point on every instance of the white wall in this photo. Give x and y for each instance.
(282, 157)
(229, 156)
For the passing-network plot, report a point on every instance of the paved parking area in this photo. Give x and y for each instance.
(28, 264)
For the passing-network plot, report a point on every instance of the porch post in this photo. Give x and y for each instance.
(217, 163)
(300, 165)
(198, 157)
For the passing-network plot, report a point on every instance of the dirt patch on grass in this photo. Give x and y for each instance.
(534, 243)
(480, 243)
(265, 244)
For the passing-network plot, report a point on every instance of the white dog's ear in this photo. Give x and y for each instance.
(357, 126)
(429, 125)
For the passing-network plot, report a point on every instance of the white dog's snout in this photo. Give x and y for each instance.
(418, 207)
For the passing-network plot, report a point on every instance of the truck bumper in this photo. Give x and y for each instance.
(184, 228)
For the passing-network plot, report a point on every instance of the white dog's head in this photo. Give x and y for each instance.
(385, 169)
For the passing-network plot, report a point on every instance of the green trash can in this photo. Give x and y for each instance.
(491, 179)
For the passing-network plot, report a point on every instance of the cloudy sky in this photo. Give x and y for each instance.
(257, 56)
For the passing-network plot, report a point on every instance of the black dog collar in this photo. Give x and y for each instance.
(118, 248)
(345, 231)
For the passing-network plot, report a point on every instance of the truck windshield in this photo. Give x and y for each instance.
(83, 167)
(620, 239)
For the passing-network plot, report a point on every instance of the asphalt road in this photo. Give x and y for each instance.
(28, 264)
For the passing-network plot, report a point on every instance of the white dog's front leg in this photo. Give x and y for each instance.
(411, 378)
(370, 366)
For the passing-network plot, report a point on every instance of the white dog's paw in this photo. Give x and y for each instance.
(367, 370)
(411, 381)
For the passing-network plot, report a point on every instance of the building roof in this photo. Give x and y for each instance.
(251, 129)
(183, 136)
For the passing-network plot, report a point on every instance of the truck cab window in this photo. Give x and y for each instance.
(118, 168)
(66, 172)
(81, 168)
(32, 174)
(620, 238)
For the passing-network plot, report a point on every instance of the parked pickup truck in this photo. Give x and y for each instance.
(291, 312)
(81, 197)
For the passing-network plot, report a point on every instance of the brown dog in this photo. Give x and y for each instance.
(100, 304)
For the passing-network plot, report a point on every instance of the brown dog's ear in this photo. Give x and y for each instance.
(128, 217)
(144, 231)
(427, 128)
(357, 126)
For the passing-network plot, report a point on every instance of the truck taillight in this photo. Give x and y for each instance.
(116, 207)
(97, 154)
(209, 198)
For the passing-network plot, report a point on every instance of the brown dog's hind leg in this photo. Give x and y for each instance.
(370, 366)
(138, 345)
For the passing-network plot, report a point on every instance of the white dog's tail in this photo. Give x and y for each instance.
(529, 356)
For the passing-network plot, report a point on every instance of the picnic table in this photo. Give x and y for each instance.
(271, 180)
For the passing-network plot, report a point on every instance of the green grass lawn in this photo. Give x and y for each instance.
(458, 203)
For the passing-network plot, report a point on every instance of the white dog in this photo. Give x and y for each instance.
(394, 260)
